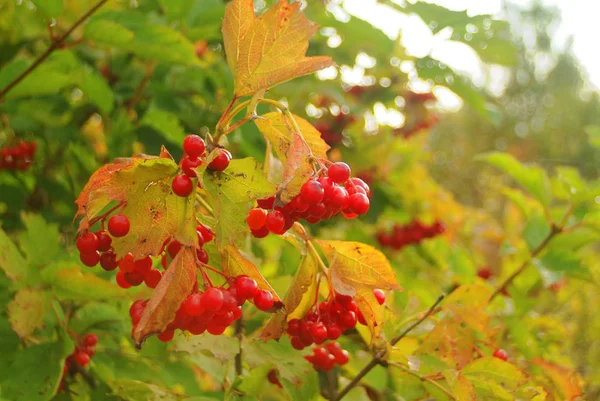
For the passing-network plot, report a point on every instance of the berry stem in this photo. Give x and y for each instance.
(205, 278)
(422, 378)
(212, 269)
(204, 204)
(104, 215)
(56, 44)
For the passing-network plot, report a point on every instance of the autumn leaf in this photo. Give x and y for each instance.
(265, 51)
(451, 342)
(356, 269)
(235, 264)
(467, 303)
(298, 299)
(296, 169)
(460, 387)
(27, 310)
(496, 370)
(154, 211)
(176, 284)
(566, 380)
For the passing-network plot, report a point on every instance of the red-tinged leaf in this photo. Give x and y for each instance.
(265, 51)
(176, 284)
(566, 380)
(235, 264)
(460, 387)
(451, 342)
(296, 168)
(155, 213)
(164, 153)
(297, 300)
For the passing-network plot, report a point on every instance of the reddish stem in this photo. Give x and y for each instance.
(103, 216)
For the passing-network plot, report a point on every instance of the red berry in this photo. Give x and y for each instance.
(202, 255)
(348, 319)
(166, 335)
(90, 259)
(229, 302)
(501, 354)
(246, 287)
(342, 357)
(260, 233)
(87, 243)
(319, 332)
(221, 161)
(173, 248)
(108, 261)
(297, 343)
(118, 225)
(256, 218)
(333, 331)
(266, 203)
(275, 221)
(182, 186)
(212, 299)
(337, 197)
(237, 313)
(197, 327)
(357, 182)
(263, 300)
(126, 264)
(192, 305)
(272, 377)
(306, 332)
(90, 339)
(188, 164)
(121, 280)
(193, 145)
(136, 310)
(104, 241)
(214, 328)
(152, 278)
(485, 273)
(143, 265)
(379, 295)
(82, 359)
(339, 172)
(293, 327)
(359, 203)
(134, 278)
(90, 350)
(206, 232)
(312, 192)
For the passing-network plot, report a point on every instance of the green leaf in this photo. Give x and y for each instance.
(108, 32)
(254, 382)
(234, 191)
(532, 178)
(11, 260)
(94, 316)
(536, 231)
(167, 124)
(40, 241)
(52, 8)
(27, 310)
(497, 370)
(290, 365)
(593, 132)
(134, 390)
(565, 261)
(26, 378)
(222, 348)
(309, 389)
(98, 91)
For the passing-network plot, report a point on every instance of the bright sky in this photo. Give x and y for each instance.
(580, 19)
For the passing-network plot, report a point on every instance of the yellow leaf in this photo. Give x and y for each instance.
(265, 51)
(27, 310)
(467, 303)
(450, 342)
(461, 388)
(566, 380)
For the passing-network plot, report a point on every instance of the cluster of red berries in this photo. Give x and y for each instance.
(194, 148)
(212, 310)
(319, 199)
(204, 235)
(81, 355)
(409, 234)
(326, 357)
(18, 157)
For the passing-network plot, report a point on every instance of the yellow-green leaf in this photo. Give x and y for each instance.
(11, 261)
(27, 310)
(265, 51)
(497, 370)
(566, 380)
(460, 387)
(451, 342)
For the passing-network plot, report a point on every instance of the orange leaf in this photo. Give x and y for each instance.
(235, 264)
(176, 284)
(567, 381)
(265, 51)
(296, 169)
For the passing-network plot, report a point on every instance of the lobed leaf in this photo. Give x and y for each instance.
(27, 310)
(497, 370)
(451, 342)
(11, 261)
(566, 380)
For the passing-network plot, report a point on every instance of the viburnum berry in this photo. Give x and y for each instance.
(275, 221)
(501, 354)
(188, 164)
(126, 263)
(297, 343)
(166, 335)
(379, 295)
(212, 299)
(193, 146)
(108, 261)
(333, 331)
(192, 305)
(134, 278)
(202, 255)
(87, 243)
(339, 172)
(82, 359)
(312, 192)
(152, 278)
(266, 203)
(215, 329)
(136, 310)
(337, 197)
(263, 300)
(90, 259)
(261, 232)
(318, 332)
(182, 186)
(90, 339)
(359, 203)
(104, 241)
(293, 327)
(143, 265)
(173, 248)
(256, 218)
(118, 225)
(121, 281)
(246, 287)
(206, 232)
(221, 161)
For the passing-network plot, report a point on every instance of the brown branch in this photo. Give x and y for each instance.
(378, 358)
(554, 230)
(56, 44)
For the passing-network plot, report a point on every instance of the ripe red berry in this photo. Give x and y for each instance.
(206, 232)
(297, 343)
(118, 225)
(87, 243)
(104, 241)
(166, 335)
(182, 185)
(379, 295)
(348, 319)
(319, 332)
(108, 261)
(485, 273)
(134, 278)
(188, 164)
(256, 218)
(312, 192)
(202, 255)
(126, 263)
(143, 265)
(221, 161)
(152, 278)
(357, 182)
(214, 328)
(501, 354)
(339, 172)
(337, 197)
(342, 357)
(90, 259)
(192, 305)
(193, 145)
(275, 221)
(212, 299)
(260, 233)
(90, 339)
(82, 359)
(359, 203)
(272, 377)
(136, 310)
(293, 328)
(246, 287)
(121, 281)
(266, 203)
(333, 331)
(263, 300)
(173, 248)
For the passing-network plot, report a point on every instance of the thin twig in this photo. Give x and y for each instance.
(554, 230)
(378, 358)
(56, 44)
(422, 378)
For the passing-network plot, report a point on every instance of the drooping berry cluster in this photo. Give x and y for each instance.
(212, 310)
(321, 198)
(412, 233)
(326, 357)
(81, 355)
(17, 157)
(194, 148)
(204, 235)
